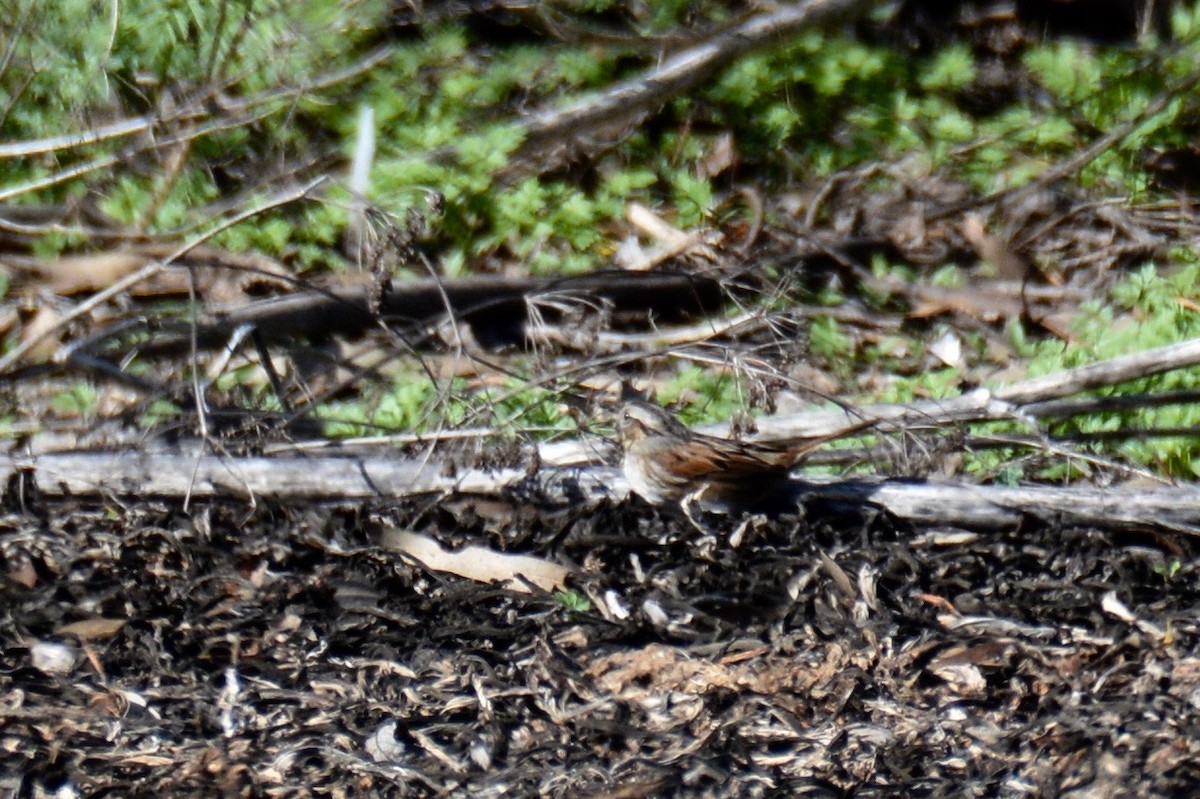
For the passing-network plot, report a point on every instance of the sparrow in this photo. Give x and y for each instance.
(665, 462)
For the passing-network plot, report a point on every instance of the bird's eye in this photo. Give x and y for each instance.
(630, 420)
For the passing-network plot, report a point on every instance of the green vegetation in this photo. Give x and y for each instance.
(445, 100)
(413, 403)
(1151, 308)
(247, 96)
(1168, 569)
(78, 401)
(573, 601)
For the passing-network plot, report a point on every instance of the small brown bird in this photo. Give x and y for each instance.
(666, 462)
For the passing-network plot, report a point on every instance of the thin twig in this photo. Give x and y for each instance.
(148, 271)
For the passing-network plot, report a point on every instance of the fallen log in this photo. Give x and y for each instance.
(353, 479)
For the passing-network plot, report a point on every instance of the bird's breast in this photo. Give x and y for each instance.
(652, 484)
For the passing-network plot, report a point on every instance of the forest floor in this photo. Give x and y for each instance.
(232, 646)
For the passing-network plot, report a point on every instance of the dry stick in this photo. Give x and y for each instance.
(105, 161)
(1054, 448)
(148, 271)
(351, 446)
(199, 474)
(197, 110)
(1002, 403)
(115, 130)
(1027, 398)
(622, 103)
(999, 508)
(62, 176)
(1104, 373)
(1071, 165)
(197, 394)
(740, 323)
(1064, 408)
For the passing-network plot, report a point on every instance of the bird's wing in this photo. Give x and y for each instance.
(703, 458)
(709, 458)
(800, 448)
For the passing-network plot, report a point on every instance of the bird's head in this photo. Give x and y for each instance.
(639, 420)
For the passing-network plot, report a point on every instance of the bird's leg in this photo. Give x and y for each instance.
(690, 504)
(709, 522)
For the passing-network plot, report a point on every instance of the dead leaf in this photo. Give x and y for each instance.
(220, 277)
(965, 678)
(75, 274)
(991, 654)
(948, 349)
(976, 302)
(92, 629)
(148, 761)
(992, 249)
(719, 157)
(657, 668)
(21, 572)
(44, 320)
(1060, 325)
(478, 563)
(9, 318)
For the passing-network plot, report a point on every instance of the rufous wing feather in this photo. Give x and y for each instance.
(799, 449)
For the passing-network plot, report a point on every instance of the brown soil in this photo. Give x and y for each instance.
(281, 652)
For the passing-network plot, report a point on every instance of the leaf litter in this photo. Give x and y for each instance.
(296, 644)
